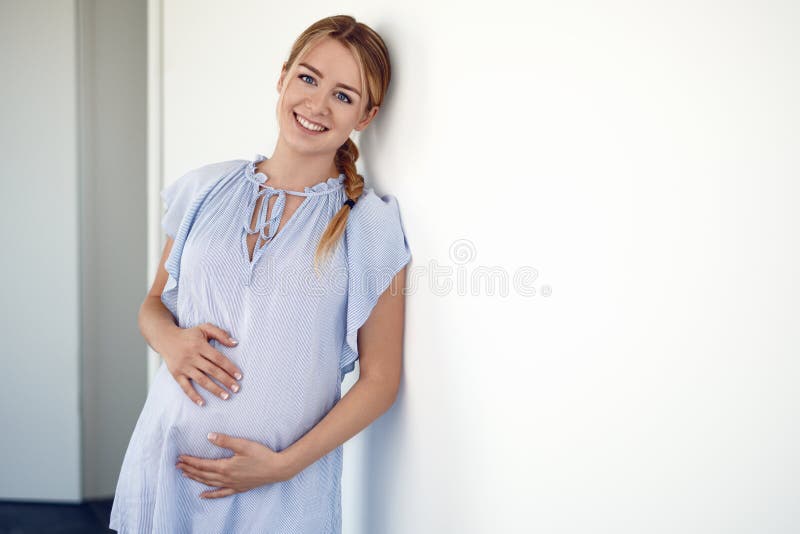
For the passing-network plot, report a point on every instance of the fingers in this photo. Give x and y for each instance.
(201, 378)
(196, 360)
(217, 357)
(187, 388)
(213, 371)
(219, 334)
(208, 467)
(210, 479)
(227, 369)
(223, 492)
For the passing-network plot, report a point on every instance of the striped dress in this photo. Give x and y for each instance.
(297, 332)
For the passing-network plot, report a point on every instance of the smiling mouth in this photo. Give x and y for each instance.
(308, 125)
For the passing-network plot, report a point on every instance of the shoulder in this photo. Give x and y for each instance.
(375, 223)
(180, 195)
(219, 167)
(373, 209)
(196, 179)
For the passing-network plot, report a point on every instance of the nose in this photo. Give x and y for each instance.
(316, 103)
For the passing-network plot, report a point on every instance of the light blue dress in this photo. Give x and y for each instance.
(297, 333)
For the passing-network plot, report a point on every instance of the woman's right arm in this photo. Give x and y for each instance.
(155, 320)
(186, 351)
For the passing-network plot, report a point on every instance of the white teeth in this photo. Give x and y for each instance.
(308, 125)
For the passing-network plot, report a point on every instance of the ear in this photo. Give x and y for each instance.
(367, 119)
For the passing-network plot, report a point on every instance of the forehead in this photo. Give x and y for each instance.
(335, 61)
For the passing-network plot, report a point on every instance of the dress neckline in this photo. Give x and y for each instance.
(326, 186)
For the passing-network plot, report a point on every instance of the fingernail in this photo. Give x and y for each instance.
(212, 436)
(199, 402)
(224, 395)
(235, 388)
(233, 341)
(238, 376)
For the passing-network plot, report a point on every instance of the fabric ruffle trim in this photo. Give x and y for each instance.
(331, 184)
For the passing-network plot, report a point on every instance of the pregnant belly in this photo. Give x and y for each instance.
(270, 409)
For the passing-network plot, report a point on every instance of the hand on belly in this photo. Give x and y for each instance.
(252, 465)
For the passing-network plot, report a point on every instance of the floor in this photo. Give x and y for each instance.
(40, 518)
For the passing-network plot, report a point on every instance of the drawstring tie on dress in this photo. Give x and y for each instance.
(267, 228)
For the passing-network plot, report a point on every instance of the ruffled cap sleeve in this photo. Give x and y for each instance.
(377, 248)
(179, 195)
(182, 200)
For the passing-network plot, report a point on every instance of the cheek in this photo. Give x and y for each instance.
(350, 115)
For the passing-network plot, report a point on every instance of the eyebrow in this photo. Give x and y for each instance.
(318, 73)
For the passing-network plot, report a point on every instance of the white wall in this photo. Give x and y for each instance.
(73, 175)
(642, 158)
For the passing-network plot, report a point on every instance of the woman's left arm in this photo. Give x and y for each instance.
(380, 348)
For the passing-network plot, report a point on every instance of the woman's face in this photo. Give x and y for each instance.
(324, 89)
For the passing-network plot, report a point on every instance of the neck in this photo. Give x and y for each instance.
(288, 169)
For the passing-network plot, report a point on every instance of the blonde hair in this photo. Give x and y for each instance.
(372, 57)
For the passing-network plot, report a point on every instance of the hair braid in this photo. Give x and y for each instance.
(346, 157)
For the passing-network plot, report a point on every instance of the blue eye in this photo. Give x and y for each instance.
(348, 101)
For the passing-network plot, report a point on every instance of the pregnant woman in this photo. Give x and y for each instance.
(277, 275)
